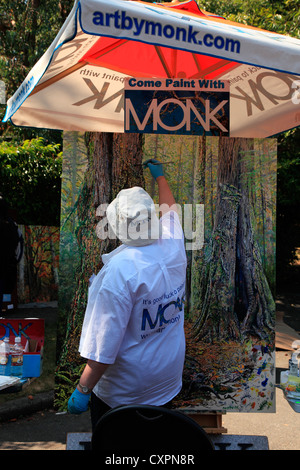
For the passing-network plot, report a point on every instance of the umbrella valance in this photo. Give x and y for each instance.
(78, 84)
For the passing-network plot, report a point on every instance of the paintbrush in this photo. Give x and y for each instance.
(157, 163)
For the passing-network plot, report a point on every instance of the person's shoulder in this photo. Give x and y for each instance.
(122, 263)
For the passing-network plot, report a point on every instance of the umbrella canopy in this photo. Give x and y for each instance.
(78, 84)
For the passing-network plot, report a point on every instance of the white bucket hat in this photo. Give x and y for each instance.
(132, 217)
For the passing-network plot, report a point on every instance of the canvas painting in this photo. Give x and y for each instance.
(226, 195)
(226, 192)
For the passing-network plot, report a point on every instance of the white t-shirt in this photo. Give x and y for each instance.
(134, 320)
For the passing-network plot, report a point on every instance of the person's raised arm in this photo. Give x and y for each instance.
(166, 199)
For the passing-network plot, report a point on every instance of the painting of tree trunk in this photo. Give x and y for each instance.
(229, 308)
(237, 299)
(112, 162)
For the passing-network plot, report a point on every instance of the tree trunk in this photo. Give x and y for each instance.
(236, 299)
(217, 318)
(256, 308)
(196, 281)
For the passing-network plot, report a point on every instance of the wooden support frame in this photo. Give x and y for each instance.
(210, 421)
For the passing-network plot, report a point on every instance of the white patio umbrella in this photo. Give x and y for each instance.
(78, 84)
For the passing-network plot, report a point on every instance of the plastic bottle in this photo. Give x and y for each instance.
(8, 365)
(284, 376)
(17, 358)
(293, 368)
(4, 357)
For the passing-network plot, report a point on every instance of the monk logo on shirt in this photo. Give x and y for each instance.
(160, 319)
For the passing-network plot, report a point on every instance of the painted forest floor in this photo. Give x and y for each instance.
(227, 375)
(242, 377)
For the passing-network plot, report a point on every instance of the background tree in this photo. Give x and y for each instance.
(27, 27)
(30, 159)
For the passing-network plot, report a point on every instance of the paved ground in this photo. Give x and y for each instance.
(281, 428)
(44, 429)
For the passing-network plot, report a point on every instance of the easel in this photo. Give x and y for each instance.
(210, 421)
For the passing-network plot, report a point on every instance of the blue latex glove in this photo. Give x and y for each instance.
(155, 167)
(78, 402)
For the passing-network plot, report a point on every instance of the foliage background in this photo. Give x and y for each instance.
(30, 180)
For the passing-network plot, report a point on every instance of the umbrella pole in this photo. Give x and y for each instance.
(58, 77)
(164, 63)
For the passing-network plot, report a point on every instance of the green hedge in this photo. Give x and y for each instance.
(30, 180)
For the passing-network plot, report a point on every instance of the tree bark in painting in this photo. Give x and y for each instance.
(195, 274)
(236, 298)
(114, 163)
(256, 305)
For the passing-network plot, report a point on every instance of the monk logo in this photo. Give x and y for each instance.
(267, 88)
(296, 94)
(68, 54)
(185, 112)
(101, 98)
(160, 319)
(10, 330)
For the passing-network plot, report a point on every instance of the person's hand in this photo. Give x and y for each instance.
(155, 167)
(78, 402)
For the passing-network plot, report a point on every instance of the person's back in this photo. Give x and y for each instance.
(133, 330)
(148, 285)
